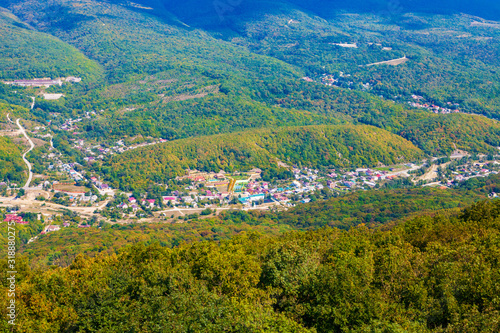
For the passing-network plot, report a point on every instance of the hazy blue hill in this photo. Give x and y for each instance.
(211, 14)
(487, 8)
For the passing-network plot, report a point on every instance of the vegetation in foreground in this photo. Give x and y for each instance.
(429, 274)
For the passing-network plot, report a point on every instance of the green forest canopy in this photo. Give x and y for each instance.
(428, 274)
(314, 146)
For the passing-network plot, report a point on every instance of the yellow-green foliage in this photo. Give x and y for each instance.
(12, 167)
(315, 146)
(14, 112)
(430, 274)
(371, 207)
(439, 134)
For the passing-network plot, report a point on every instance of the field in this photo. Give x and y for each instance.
(70, 188)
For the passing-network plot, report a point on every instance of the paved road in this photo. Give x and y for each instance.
(24, 155)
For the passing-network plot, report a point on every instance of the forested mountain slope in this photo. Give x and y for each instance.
(313, 146)
(12, 167)
(171, 73)
(26, 54)
(426, 275)
(235, 85)
(382, 209)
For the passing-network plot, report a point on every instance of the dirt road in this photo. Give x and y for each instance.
(393, 62)
(32, 145)
(46, 207)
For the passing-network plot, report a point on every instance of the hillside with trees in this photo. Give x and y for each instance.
(168, 73)
(383, 208)
(429, 274)
(313, 146)
(29, 54)
(12, 167)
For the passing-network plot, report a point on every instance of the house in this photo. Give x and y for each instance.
(150, 203)
(45, 82)
(132, 200)
(13, 217)
(52, 227)
(252, 198)
(187, 199)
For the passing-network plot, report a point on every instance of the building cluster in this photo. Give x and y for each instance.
(418, 102)
(56, 227)
(66, 168)
(332, 80)
(43, 82)
(472, 170)
(15, 218)
(248, 189)
(136, 204)
(100, 151)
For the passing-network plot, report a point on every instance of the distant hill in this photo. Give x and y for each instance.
(315, 146)
(444, 134)
(219, 13)
(193, 69)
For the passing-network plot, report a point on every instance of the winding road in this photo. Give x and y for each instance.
(24, 155)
